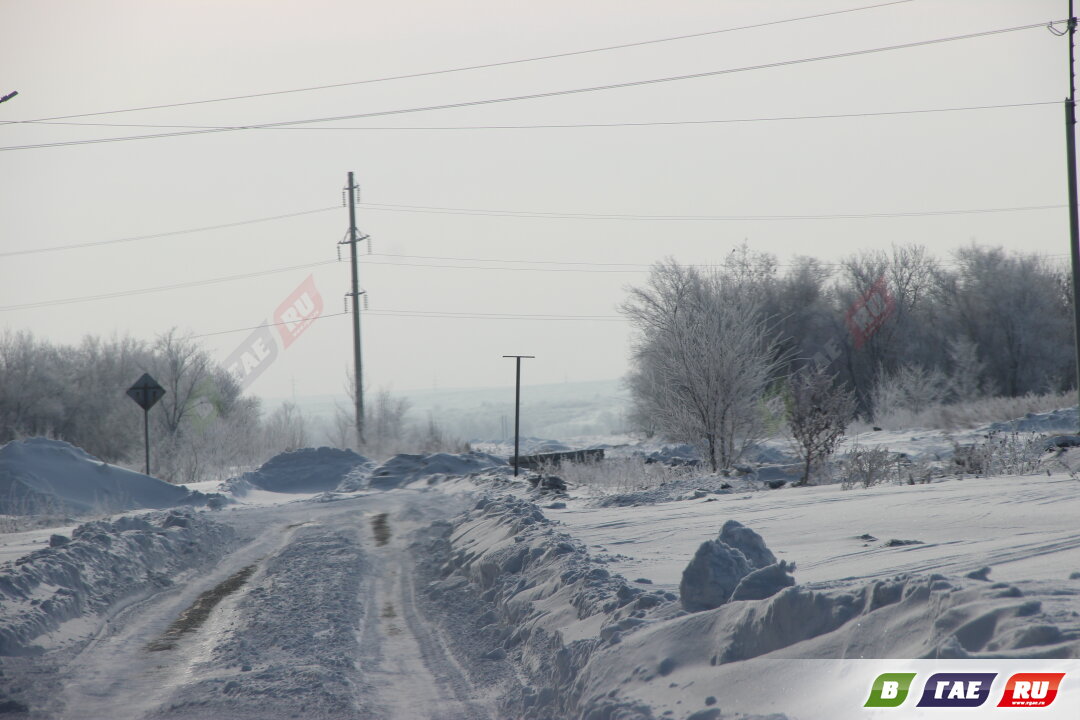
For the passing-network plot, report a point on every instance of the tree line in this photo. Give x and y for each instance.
(203, 428)
(716, 347)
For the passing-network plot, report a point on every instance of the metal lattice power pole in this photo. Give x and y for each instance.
(354, 237)
(1074, 215)
(517, 408)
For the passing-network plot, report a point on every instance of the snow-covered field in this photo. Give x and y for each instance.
(326, 586)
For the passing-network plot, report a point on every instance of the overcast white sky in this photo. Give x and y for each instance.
(71, 57)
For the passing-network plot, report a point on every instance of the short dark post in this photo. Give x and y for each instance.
(517, 408)
(146, 436)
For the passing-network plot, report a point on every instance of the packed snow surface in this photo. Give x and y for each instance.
(40, 475)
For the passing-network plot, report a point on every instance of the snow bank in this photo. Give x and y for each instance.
(929, 617)
(528, 592)
(1053, 421)
(595, 646)
(41, 475)
(533, 593)
(308, 470)
(403, 469)
(102, 563)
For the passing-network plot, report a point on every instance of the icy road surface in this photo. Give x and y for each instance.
(324, 624)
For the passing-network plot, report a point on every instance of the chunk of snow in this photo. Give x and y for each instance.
(719, 567)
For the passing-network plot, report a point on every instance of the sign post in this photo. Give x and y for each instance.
(146, 392)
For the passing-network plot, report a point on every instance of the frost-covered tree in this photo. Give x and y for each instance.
(1013, 308)
(818, 412)
(966, 371)
(286, 429)
(384, 424)
(180, 365)
(702, 359)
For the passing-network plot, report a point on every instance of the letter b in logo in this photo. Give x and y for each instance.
(890, 690)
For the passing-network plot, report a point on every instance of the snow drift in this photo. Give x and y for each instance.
(102, 563)
(308, 470)
(41, 475)
(403, 469)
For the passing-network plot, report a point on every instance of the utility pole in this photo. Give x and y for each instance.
(1074, 214)
(517, 409)
(354, 237)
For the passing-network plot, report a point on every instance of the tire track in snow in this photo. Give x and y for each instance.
(408, 666)
(112, 677)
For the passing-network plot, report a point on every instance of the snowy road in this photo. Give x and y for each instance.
(476, 598)
(325, 623)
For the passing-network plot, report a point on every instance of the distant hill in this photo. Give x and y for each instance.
(558, 410)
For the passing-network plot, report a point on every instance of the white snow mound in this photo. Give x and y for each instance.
(403, 469)
(39, 475)
(308, 470)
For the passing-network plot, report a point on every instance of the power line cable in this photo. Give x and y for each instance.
(273, 324)
(642, 268)
(160, 288)
(172, 233)
(489, 316)
(466, 68)
(483, 267)
(427, 209)
(634, 266)
(534, 96)
(432, 314)
(565, 126)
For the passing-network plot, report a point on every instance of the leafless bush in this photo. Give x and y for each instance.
(1012, 453)
(818, 412)
(618, 475)
(867, 466)
(910, 388)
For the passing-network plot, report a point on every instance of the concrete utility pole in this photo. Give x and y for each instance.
(1074, 215)
(354, 237)
(517, 408)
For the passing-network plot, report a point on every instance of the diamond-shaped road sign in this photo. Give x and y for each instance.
(146, 391)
